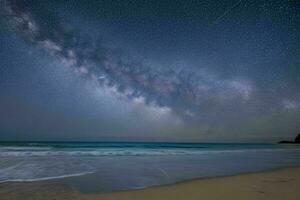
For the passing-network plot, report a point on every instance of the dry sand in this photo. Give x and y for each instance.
(283, 184)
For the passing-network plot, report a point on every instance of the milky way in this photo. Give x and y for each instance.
(203, 98)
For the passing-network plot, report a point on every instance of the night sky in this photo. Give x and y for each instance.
(180, 71)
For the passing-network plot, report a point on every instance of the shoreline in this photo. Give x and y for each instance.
(59, 179)
(270, 184)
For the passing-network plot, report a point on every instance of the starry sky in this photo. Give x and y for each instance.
(178, 71)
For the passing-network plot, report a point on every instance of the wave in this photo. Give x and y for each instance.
(22, 148)
(45, 178)
(129, 152)
(30, 165)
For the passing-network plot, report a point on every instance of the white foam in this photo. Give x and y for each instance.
(45, 178)
(129, 152)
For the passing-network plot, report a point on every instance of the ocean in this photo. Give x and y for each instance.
(113, 166)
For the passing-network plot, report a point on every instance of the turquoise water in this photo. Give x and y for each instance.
(110, 166)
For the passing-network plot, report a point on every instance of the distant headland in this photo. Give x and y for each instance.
(296, 141)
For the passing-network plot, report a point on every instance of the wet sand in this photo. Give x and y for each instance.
(273, 185)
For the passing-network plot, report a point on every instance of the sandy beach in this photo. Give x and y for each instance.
(149, 100)
(277, 184)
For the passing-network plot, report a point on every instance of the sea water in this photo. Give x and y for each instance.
(111, 166)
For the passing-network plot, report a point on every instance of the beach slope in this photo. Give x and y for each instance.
(273, 185)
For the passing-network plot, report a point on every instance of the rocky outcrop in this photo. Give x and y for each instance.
(296, 141)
